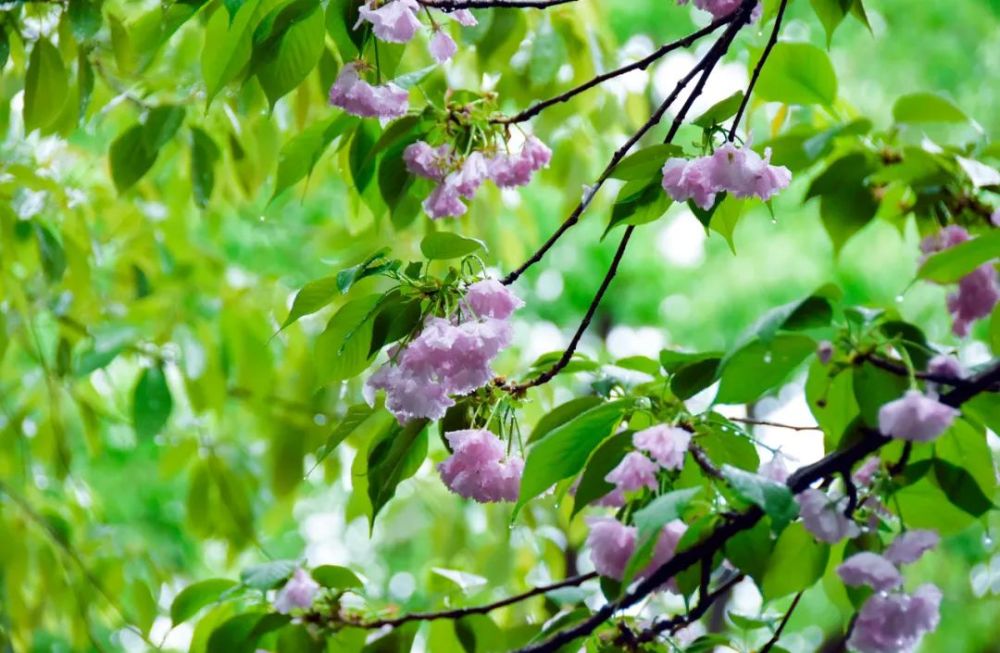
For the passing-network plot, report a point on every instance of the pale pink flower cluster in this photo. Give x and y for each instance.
(915, 417)
(357, 97)
(774, 469)
(459, 178)
(978, 292)
(741, 172)
(448, 357)
(612, 544)
(298, 593)
(479, 468)
(824, 516)
(946, 366)
(892, 621)
(665, 444)
(395, 21)
(722, 8)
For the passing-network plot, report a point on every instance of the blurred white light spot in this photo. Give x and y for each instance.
(549, 285)
(682, 241)
(625, 341)
(402, 585)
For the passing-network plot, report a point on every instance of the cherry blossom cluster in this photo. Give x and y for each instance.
(459, 177)
(395, 21)
(723, 8)
(357, 97)
(978, 292)
(612, 544)
(665, 444)
(479, 468)
(449, 357)
(741, 172)
(892, 621)
(298, 593)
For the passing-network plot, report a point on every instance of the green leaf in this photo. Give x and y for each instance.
(444, 245)
(638, 202)
(774, 498)
(961, 488)
(160, 125)
(720, 111)
(299, 155)
(50, 252)
(357, 415)
(204, 155)
(228, 46)
(377, 263)
(846, 203)
(875, 387)
(409, 80)
(394, 457)
(798, 73)
(605, 457)
(151, 402)
(831, 13)
(750, 550)
(917, 108)
(649, 522)
(362, 166)
(342, 349)
(759, 367)
(797, 562)
(691, 378)
(314, 296)
(950, 265)
(268, 575)
(130, 158)
(562, 414)
(235, 634)
(336, 577)
(45, 87)
(284, 59)
(725, 218)
(85, 18)
(564, 451)
(646, 163)
(194, 597)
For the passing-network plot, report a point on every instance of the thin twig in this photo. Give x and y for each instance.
(778, 425)
(679, 621)
(781, 627)
(771, 42)
(458, 613)
(641, 64)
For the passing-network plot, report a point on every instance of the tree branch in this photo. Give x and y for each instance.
(677, 622)
(771, 42)
(641, 64)
(779, 425)
(781, 627)
(458, 613)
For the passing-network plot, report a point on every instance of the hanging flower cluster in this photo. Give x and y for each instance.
(479, 468)
(741, 172)
(612, 544)
(978, 292)
(915, 417)
(824, 517)
(722, 8)
(892, 621)
(449, 357)
(357, 97)
(298, 593)
(395, 21)
(665, 444)
(458, 177)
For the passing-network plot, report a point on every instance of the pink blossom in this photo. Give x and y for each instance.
(536, 152)
(867, 568)
(394, 21)
(945, 239)
(865, 474)
(299, 592)
(464, 17)
(911, 545)
(946, 366)
(490, 298)
(977, 294)
(425, 161)
(995, 218)
(444, 202)
(509, 170)
(722, 8)
(611, 545)
(689, 180)
(915, 417)
(470, 176)
(634, 472)
(775, 469)
(743, 173)
(442, 46)
(666, 444)
(666, 547)
(895, 623)
(359, 98)
(824, 352)
(478, 469)
(825, 518)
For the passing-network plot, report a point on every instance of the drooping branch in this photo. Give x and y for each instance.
(771, 42)
(454, 5)
(641, 64)
(737, 522)
(458, 613)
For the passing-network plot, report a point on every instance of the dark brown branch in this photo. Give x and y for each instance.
(641, 64)
(454, 5)
(704, 461)
(771, 42)
(458, 613)
(781, 627)
(677, 622)
(901, 370)
(738, 522)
